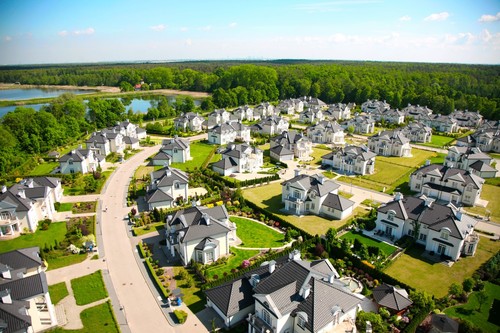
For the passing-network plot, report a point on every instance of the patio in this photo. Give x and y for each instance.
(380, 235)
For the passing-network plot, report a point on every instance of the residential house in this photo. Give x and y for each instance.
(287, 295)
(106, 142)
(168, 185)
(311, 102)
(442, 123)
(229, 132)
(361, 124)
(390, 116)
(25, 304)
(239, 158)
(467, 119)
(81, 160)
(200, 234)
(326, 132)
(417, 112)
(294, 141)
(189, 121)
(391, 297)
(264, 110)
(281, 154)
(177, 148)
(375, 106)
(440, 323)
(304, 194)
(161, 158)
(337, 111)
(390, 143)
(443, 229)
(447, 184)
(311, 115)
(470, 159)
(24, 204)
(217, 117)
(271, 126)
(126, 128)
(486, 138)
(417, 132)
(131, 142)
(242, 113)
(291, 106)
(351, 159)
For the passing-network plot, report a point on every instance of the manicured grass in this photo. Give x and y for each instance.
(438, 159)
(65, 260)
(387, 172)
(57, 292)
(347, 195)
(56, 232)
(234, 261)
(199, 152)
(89, 288)
(255, 234)
(493, 181)
(99, 318)
(153, 227)
(143, 171)
(194, 298)
(44, 169)
(494, 155)
(386, 248)
(330, 174)
(490, 193)
(269, 198)
(417, 159)
(316, 154)
(362, 182)
(438, 141)
(65, 207)
(436, 278)
(487, 319)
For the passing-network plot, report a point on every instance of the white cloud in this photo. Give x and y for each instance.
(233, 24)
(437, 16)
(206, 28)
(183, 29)
(331, 6)
(63, 33)
(158, 27)
(405, 18)
(485, 36)
(188, 42)
(489, 18)
(7, 38)
(88, 31)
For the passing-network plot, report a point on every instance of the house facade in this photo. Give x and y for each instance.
(442, 229)
(337, 111)
(375, 106)
(485, 138)
(167, 186)
(467, 119)
(390, 143)
(80, 160)
(200, 234)
(189, 121)
(178, 149)
(361, 124)
(304, 194)
(447, 184)
(293, 141)
(471, 159)
(326, 132)
(239, 158)
(217, 117)
(271, 126)
(311, 116)
(392, 116)
(351, 159)
(417, 132)
(229, 132)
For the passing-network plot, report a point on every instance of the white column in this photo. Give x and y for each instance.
(50, 307)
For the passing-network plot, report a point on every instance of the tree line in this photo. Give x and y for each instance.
(442, 87)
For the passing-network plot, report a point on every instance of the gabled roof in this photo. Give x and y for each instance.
(280, 151)
(391, 297)
(445, 173)
(78, 155)
(27, 287)
(308, 183)
(14, 317)
(444, 323)
(158, 196)
(390, 136)
(167, 176)
(161, 156)
(482, 167)
(170, 144)
(129, 140)
(232, 297)
(337, 202)
(22, 258)
(14, 200)
(225, 163)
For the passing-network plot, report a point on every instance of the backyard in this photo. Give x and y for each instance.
(490, 193)
(385, 247)
(234, 262)
(438, 141)
(255, 234)
(199, 152)
(435, 278)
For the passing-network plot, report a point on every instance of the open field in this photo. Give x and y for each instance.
(386, 172)
(255, 234)
(386, 248)
(417, 159)
(436, 278)
(490, 193)
(269, 198)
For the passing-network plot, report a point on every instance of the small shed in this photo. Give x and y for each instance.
(391, 297)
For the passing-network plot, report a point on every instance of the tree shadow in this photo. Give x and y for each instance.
(464, 311)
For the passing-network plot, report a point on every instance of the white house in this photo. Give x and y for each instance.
(389, 116)
(361, 124)
(417, 132)
(485, 138)
(471, 159)
(294, 141)
(326, 132)
(229, 132)
(373, 106)
(467, 119)
(200, 234)
(304, 194)
(80, 160)
(178, 149)
(271, 126)
(311, 115)
(351, 159)
(390, 143)
(239, 158)
(189, 121)
(442, 229)
(337, 111)
(217, 117)
(281, 154)
(447, 184)
(167, 186)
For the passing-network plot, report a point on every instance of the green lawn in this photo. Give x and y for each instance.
(99, 318)
(387, 172)
(153, 227)
(488, 318)
(234, 261)
(65, 207)
(386, 248)
(438, 159)
(199, 152)
(89, 288)
(436, 278)
(269, 198)
(57, 292)
(438, 141)
(56, 232)
(417, 159)
(64, 260)
(194, 298)
(44, 169)
(255, 234)
(317, 153)
(490, 193)
(143, 171)
(78, 186)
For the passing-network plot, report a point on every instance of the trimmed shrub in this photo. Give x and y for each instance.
(181, 316)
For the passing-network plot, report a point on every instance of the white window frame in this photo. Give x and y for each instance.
(266, 316)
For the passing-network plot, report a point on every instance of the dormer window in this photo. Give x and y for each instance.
(390, 216)
(301, 322)
(445, 234)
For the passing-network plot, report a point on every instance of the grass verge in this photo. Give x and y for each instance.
(89, 288)
(57, 292)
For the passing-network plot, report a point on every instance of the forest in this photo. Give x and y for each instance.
(25, 133)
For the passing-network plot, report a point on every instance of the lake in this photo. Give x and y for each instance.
(30, 93)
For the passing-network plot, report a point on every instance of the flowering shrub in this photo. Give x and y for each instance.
(245, 263)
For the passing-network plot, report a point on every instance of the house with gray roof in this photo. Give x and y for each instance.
(287, 295)
(417, 132)
(294, 141)
(390, 143)
(189, 121)
(177, 148)
(25, 303)
(326, 132)
(467, 119)
(447, 184)
(351, 160)
(360, 123)
(81, 160)
(106, 141)
(168, 185)
(242, 113)
(486, 138)
(199, 233)
(392, 116)
(271, 126)
(25, 203)
(390, 297)
(281, 154)
(374, 106)
(217, 117)
(229, 132)
(291, 106)
(443, 229)
(311, 116)
(311, 102)
(471, 159)
(337, 111)
(239, 158)
(131, 143)
(304, 194)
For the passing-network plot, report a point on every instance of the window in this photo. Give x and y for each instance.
(444, 234)
(301, 322)
(410, 232)
(423, 237)
(4, 216)
(388, 231)
(417, 186)
(312, 205)
(175, 150)
(433, 179)
(390, 216)
(210, 256)
(296, 194)
(177, 186)
(266, 317)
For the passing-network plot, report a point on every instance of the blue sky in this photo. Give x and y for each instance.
(63, 31)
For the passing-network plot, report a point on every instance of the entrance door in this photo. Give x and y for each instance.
(388, 231)
(441, 249)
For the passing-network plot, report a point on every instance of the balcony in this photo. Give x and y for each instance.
(258, 325)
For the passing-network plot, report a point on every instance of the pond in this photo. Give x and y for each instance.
(30, 93)
(5, 109)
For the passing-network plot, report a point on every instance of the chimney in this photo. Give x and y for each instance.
(428, 202)
(21, 194)
(206, 218)
(331, 277)
(5, 294)
(305, 291)
(73, 152)
(5, 271)
(272, 266)
(294, 255)
(29, 183)
(321, 179)
(168, 172)
(458, 214)
(297, 172)
(427, 162)
(398, 196)
(4, 188)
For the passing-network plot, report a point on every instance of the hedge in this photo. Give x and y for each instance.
(159, 284)
(209, 158)
(181, 316)
(142, 251)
